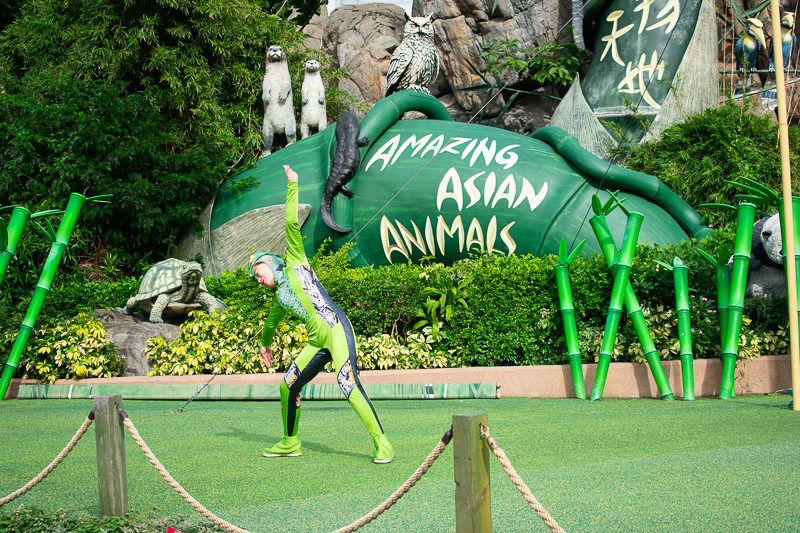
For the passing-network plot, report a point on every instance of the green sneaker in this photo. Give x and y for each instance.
(384, 451)
(287, 447)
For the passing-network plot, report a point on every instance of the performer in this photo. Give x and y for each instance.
(330, 336)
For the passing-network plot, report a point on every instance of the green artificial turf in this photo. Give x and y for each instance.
(614, 465)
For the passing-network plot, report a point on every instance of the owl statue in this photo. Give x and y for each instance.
(415, 63)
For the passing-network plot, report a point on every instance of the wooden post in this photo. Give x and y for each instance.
(112, 478)
(471, 470)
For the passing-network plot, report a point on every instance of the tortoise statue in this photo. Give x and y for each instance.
(172, 286)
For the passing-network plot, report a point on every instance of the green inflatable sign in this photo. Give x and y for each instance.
(439, 188)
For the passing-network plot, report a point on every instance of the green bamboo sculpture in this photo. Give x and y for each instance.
(795, 233)
(632, 307)
(720, 264)
(761, 194)
(745, 217)
(61, 238)
(621, 278)
(568, 315)
(10, 235)
(680, 275)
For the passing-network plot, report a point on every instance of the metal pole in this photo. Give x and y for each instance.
(786, 174)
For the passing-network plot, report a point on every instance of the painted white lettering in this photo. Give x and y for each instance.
(454, 143)
(456, 193)
(456, 227)
(388, 230)
(472, 190)
(534, 199)
(475, 235)
(469, 148)
(385, 152)
(489, 187)
(506, 157)
(505, 235)
(414, 143)
(491, 236)
(409, 239)
(435, 146)
(429, 235)
(507, 191)
(483, 150)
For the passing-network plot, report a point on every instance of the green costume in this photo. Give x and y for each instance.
(330, 338)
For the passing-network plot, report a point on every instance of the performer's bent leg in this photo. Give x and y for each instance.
(308, 364)
(345, 360)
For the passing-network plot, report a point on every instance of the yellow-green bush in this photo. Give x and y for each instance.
(226, 343)
(71, 349)
(223, 343)
(663, 326)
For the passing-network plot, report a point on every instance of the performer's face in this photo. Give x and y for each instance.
(263, 274)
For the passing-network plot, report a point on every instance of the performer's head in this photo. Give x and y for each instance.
(264, 267)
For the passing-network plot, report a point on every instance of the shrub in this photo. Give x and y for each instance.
(226, 343)
(695, 157)
(73, 349)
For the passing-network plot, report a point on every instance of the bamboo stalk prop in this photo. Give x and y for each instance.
(786, 186)
(632, 307)
(745, 217)
(789, 211)
(621, 278)
(568, 315)
(720, 264)
(680, 275)
(60, 241)
(794, 233)
(10, 235)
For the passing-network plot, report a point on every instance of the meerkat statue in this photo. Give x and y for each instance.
(277, 96)
(313, 115)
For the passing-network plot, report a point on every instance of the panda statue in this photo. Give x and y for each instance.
(765, 275)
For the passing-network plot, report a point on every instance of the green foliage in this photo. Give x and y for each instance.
(446, 289)
(301, 11)
(84, 136)
(151, 101)
(31, 519)
(380, 300)
(552, 63)
(419, 351)
(695, 157)
(238, 290)
(490, 310)
(226, 342)
(73, 349)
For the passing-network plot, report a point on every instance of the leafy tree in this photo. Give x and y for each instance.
(8, 11)
(152, 101)
(300, 11)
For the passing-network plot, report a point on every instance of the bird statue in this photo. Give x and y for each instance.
(788, 41)
(748, 47)
(414, 63)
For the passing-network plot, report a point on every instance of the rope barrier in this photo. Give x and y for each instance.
(423, 468)
(197, 506)
(60, 457)
(519, 483)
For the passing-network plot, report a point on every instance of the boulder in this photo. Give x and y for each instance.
(464, 27)
(362, 39)
(130, 334)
